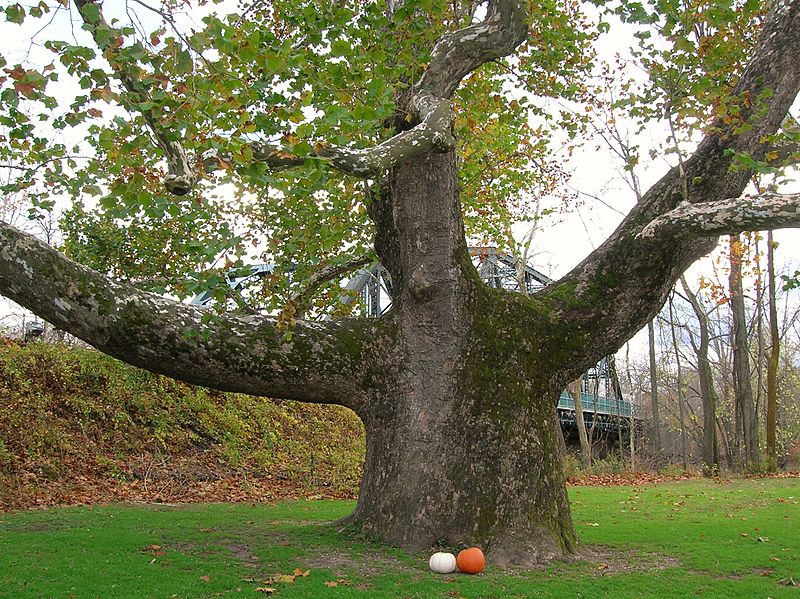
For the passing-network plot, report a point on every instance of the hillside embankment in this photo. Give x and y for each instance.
(79, 427)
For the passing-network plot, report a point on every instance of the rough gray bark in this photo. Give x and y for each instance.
(463, 416)
(249, 354)
(746, 418)
(458, 385)
(708, 394)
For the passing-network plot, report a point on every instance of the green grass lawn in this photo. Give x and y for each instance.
(686, 539)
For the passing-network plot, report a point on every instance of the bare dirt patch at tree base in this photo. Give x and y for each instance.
(610, 560)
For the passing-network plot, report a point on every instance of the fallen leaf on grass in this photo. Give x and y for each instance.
(299, 572)
(267, 590)
(152, 550)
(602, 567)
(788, 582)
(205, 578)
(281, 579)
(335, 583)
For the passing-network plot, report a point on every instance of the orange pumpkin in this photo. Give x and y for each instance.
(470, 561)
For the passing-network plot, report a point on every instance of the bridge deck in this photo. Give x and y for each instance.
(597, 404)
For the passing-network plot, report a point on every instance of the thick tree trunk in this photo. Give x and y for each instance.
(461, 426)
(478, 464)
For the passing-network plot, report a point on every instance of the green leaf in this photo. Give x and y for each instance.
(15, 13)
(91, 12)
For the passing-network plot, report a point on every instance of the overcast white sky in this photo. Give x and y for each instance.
(558, 246)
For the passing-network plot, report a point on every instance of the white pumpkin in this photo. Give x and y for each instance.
(442, 563)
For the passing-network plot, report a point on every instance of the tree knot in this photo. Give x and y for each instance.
(420, 284)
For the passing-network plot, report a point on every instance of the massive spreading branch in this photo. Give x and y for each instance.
(250, 354)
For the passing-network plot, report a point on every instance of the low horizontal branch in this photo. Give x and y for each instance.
(748, 213)
(320, 362)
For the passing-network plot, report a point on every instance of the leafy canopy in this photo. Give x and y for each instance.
(298, 73)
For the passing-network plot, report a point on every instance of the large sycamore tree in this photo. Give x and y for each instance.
(347, 131)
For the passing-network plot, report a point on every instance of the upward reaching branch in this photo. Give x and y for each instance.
(459, 53)
(181, 177)
(625, 281)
